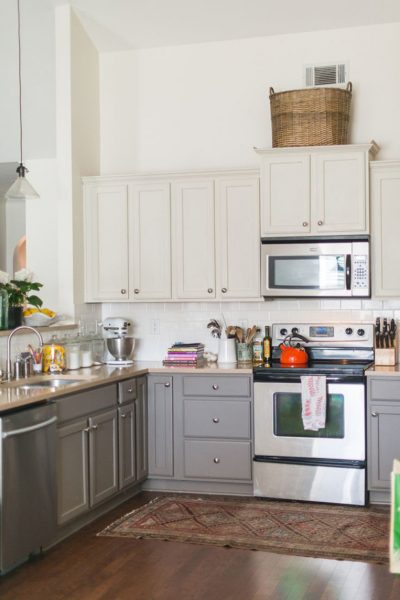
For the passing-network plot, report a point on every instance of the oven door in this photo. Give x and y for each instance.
(279, 431)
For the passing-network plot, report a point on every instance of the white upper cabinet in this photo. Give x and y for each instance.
(318, 190)
(106, 242)
(193, 240)
(150, 240)
(385, 219)
(180, 237)
(237, 237)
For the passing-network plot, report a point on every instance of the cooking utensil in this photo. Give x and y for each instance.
(121, 347)
(292, 353)
(239, 335)
(251, 332)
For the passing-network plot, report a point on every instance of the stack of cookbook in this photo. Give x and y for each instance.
(189, 354)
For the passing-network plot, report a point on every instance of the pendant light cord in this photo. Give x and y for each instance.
(20, 81)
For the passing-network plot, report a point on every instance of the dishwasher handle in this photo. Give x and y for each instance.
(42, 425)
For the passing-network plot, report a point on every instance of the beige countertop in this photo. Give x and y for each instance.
(393, 371)
(15, 395)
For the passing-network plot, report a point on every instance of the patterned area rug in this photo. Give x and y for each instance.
(318, 530)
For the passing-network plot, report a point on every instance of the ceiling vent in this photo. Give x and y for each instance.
(325, 75)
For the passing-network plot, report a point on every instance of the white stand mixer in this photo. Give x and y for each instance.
(119, 343)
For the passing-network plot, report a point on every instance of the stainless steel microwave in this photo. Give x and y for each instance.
(315, 268)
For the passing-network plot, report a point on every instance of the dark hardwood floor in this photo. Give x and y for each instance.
(87, 567)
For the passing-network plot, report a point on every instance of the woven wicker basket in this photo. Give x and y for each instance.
(310, 117)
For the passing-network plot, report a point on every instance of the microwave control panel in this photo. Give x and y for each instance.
(360, 272)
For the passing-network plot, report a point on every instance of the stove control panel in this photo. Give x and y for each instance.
(327, 334)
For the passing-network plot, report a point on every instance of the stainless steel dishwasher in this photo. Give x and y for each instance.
(28, 483)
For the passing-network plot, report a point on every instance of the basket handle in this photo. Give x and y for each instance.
(271, 91)
(349, 87)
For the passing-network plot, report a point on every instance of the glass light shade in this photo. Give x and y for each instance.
(21, 188)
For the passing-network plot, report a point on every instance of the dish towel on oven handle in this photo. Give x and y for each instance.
(313, 401)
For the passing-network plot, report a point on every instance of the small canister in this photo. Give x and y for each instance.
(53, 357)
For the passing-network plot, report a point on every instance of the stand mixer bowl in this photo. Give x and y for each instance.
(121, 347)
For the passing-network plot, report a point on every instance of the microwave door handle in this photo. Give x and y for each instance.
(348, 271)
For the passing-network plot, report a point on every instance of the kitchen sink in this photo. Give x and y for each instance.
(50, 383)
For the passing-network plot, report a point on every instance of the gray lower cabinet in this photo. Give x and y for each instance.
(87, 472)
(383, 433)
(160, 426)
(132, 431)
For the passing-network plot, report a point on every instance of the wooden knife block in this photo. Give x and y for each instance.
(385, 356)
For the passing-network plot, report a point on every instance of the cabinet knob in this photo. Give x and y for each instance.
(123, 291)
(123, 416)
(93, 427)
(320, 222)
(86, 429)
(210, 290)
(130, 390)
(167, 384)
(217, 460)
(305, 223)
(215, 386)
(224, 290)
(216, 420)
(136, 291)
(374, 414)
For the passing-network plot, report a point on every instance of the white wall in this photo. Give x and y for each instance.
(206, 105)
(38, 80)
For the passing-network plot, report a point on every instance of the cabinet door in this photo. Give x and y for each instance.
(285, 194)
(385, 219)
(72, 471)
(141, 428)
(127, 445)
(103, 456)
(383, 443)
(340, 192)
(160, 427)
(237, 236)
(106, 242)
(150, 241)
(193, 239)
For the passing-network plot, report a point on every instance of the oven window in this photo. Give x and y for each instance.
(324, 272)
(288, 421)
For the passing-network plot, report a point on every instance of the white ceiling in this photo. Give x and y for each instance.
(124, 24)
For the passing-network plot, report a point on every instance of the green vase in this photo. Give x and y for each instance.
(14, 316)
(3, 309)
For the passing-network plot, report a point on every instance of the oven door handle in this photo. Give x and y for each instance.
(348, 271)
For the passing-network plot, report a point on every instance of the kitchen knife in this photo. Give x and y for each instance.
(392, 333)
(377, 332)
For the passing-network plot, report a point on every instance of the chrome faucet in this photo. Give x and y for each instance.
(8, 362)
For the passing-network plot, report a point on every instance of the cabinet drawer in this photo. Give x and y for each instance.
(202, 385)
(217, 418)
(385, 389)
(127, 391)
(217, 460)
(83, 403)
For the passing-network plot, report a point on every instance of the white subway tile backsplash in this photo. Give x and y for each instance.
(372, 304)
(352, 304)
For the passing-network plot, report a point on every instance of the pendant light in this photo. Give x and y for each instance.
(21, 188)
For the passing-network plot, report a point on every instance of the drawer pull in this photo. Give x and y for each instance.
(216, 420)
(374, 414)
(93, 427)
(123, 416)
(167, 384)
(215, 386)
(217, 460)
(86, 429)
(130, 390)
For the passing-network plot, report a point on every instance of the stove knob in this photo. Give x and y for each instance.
(349, 331)
(283, 331)
(360, 332)
(295, 330)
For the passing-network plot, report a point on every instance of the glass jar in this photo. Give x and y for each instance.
(3, 309)
(72, 353)
(53, 356)
(86, 354)
(98, 349)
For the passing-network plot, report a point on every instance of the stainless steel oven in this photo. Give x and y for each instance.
(328, 465)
